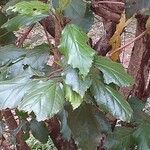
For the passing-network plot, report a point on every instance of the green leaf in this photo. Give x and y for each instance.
(5, 36)
(75, 49)
(18, 57)
(21, 114)
(37, 57)
(26, 136)
(76, 9)
(87, 21)
(22, 20)
(76, 82)
(73, 97)
(39, 130)
(11, 3)
(137, 105)
(120, 139)
(142, 136)
(64, 128)
(10, 53)
(3, 2)
(3, 18)
(45, 99)
(113, 72)
(110, 99)
(60, 5)
(87, 125)
(30, 8)
(4, 73)
(80, 14)
(13, 90)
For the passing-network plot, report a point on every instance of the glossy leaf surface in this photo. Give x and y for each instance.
(113, 72)
(87, 125)
(75, 49)
(45, 99)
(76, 82)
(73, 97)
(39, 130)
(110, 99)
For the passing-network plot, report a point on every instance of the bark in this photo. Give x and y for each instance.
(139, 65)
(102, 46)
(58, 140)
(12, 125)
(109, 12)
(111, 15)
(49, 24)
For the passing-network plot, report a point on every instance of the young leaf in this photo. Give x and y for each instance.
(39, 130)
(120, 139)
(76, 50)
(113, 72)
(73, 97)
(87, 125)
(45, 99)
(112, 100)
(76, 82)
(142, 136)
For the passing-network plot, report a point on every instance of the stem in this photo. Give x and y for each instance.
(53, 123)
(12, 125)
(21, 39)
(58, 30)
(132, 41)
(47, 36)
(56, 71)
(58, 140)
(109, 2)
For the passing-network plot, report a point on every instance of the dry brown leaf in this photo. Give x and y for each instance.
(115, 40)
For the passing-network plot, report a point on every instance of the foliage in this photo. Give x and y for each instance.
(34, 144)
(79, 89)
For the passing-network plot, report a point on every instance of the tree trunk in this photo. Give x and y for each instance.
(111, 15)
(58, 140)
(12, 125)
(139, 66)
